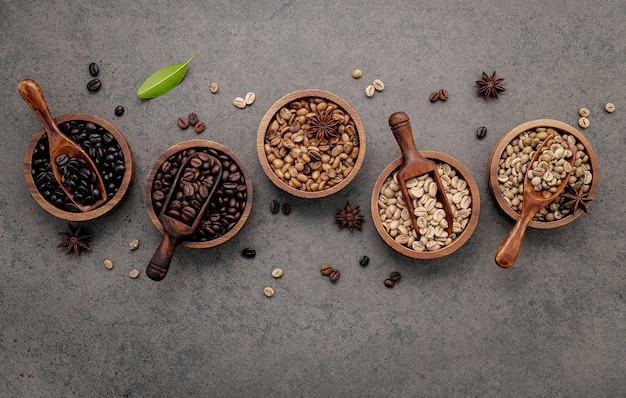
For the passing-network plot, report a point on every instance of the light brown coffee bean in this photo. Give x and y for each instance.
(182, 122)
(389, 282)
(189, 212)
(326, 269)
(195, 162)
(214, 87)
(199, 127)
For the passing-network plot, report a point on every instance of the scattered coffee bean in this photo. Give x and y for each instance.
(192, 118)
(119, 110)
(94, 85)
(609, 107)
(214, 87)
(134, 244)
(268, 291)
(250, 97)
(583, 122)
(334, 275)
(378, 85)
(248, 252)
(389, 282)
(182, 122)
(108, 264)
(443, 94)
(326, 269)
(239, 102)
(277, 272)
(481, 132)
(357, 73)
(395, 276)
(199, 127)
(134, 273)
(274, 206)
(370, 90)
(584, 112)
(434, 96)
(94, 69)
(363, 261)
(286, 209)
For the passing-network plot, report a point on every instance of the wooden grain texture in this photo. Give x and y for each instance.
(496, 153)
(267, 119)
(461, 239)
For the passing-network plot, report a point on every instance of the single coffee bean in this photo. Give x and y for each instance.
(134, 244)
(192, 119)
(182, 122)
(199, 127)
(395, 276)
(609, 107)
(370, 90)
(94, 69)
(94, 85)
(274, 206)
(119, 110)
(389, 282)
(214, 87)
(108, 264)
(134, 274)
(250, 97)
(481, 132)
(286, 209)
(239, 102)
(584, 112)
(583, 122)
(277, 273)
(378, 85)
(363, 261)
(443, 94)
(326, 269)
(248, 252)
(357, 73)
(434, 96)
(268, 291)
(334, 275)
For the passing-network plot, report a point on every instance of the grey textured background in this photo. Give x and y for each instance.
(553, 325)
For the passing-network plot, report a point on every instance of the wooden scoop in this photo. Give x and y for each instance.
(533, 201)
(175, 230)
(415, 165)
(58, 143)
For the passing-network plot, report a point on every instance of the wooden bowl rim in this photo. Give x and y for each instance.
(266, 120)
(199, 144)
(492, 169)
(106, 207)
(469, 228)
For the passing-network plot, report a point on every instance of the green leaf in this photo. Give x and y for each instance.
(164, 80)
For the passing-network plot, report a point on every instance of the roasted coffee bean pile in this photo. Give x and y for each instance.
(227, 204)
(79, 179)
(99, 144)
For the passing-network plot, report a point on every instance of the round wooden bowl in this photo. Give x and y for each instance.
(460, 240)
(199, 144)
(560, 127)
(104, 208)
(270, 115)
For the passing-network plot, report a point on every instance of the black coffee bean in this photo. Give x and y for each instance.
(286, 209)
(119, 110)
(481, 132)
(94, 85)
(363, 261)
(389, 282)
(274, 206)
(248, 252)
(395, 276)
(94, 69)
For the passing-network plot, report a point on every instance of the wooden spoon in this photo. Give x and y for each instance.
(415, 165)
(533, 201)
(59, 144)
(175, 230)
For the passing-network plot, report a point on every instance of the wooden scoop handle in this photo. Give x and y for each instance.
(33, 96)
(509, 249)
(161, 259)
(401, 129)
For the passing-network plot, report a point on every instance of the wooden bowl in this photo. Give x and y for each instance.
(178, 150)
(309, 191)
(493, 167)
(460, 239)
(113, 200)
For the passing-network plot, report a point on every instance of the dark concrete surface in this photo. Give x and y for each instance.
(553, 325)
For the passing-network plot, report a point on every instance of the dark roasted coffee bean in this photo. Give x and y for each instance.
(363, 261)
(274, 206)
(326, 269)
(182, 122)
(248, 252)
(434, 96)
(443, 94)
(119, 110)
(395, 276)
(192, 118)
(286, 209)
(94, 69)
(481, 132)
(389, 282)
(94, 85)
(334, 275)
(199, 127)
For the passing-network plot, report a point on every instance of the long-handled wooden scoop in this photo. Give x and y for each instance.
(532, 202)
(415, 165)
(60, 145)
(173, 229)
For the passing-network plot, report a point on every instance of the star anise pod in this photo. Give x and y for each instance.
(74, 241)
(489, 85)
(349, 217)
(323, 125)
(575, 198)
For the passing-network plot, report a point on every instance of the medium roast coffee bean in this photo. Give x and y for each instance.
(248, 252)
(94, 69)
(192, 118)
(443, 94)
(334, 275)
(363, 261)
(434, 96)
(481, 132)
(286, 209)
(199, 127)
(326, 269)
(119, 110)
(182, 122)
(94, 85)
(274, 206)
(389, 282)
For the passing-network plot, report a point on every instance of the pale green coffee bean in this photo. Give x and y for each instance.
(583, 122)
(609, 107)
(584, 112)
(370, 90)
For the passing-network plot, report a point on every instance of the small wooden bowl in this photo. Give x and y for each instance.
(107, 206)
(560, 127)
(199, 144)
(269, 116)
(460, 240)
